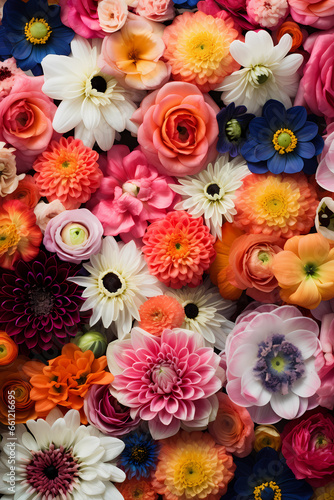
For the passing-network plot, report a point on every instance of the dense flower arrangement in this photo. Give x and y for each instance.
(167, 249)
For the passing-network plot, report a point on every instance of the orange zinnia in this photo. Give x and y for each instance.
(66, 379)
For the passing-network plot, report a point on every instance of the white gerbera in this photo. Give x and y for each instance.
(267, 73)
(118, 284)
(206, 312)
(93, 103)
(211, 192)
(62, 460)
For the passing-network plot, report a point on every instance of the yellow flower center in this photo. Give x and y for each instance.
(191, 474)
(66, 164)
(3, 351)
(272, 485)
(9, 237)
(37, 31)
(204, 49)
(275, 204)
(178, 246)
(284, 141)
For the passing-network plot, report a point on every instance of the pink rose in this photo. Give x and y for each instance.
(178, 129)
(156, 10)
(82, 17)
(236, 9)
(316, 13)
(112, 14)
(26, 116)
(75, 235)
(325, 362)
(308, 447)
(316, 88)
(325, 172)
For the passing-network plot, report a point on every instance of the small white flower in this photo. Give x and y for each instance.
(211, 192)
(206, 312)
(93, 103)
(267, 73)
(62, 460)
(118, 284)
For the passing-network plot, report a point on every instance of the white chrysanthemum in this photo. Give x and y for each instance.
(211, 192)
(206, 312)
(118, 284)
(267, 73)
(93, 103)
(62, 460)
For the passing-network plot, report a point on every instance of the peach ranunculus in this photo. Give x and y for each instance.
(233, 427)
(26, 116)
(178, 129)
(112, 14)
(316, 13)
(156, 10)
(305, 270)
(133, 54)
(27, 192)
(250, 265)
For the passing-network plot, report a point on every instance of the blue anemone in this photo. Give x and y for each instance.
(282, 140)
(32, 30)
(233, 124)
(139, 456)
(185, 4)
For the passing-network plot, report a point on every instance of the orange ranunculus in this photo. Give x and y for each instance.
(250, 265)
(292, 29)
(305, 270)
(66, 379)
(233, 427)
(14, 382)
(27, 192)
(8, 349)
(219, 266)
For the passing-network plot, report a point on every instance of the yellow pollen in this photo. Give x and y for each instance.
(9, 237)
(191, 474)
(258, 489)
(284, 141)
(37, 31)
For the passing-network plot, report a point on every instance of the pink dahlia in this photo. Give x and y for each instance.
(169, 381)
(133, 191)
(270, 357)
(178, 249)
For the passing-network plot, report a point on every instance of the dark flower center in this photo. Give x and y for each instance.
(41, 301)
(51, 472)
(191, 311)
(5, 73)
(139, 454)
(98, 83)
(111, 282)
(213, 189)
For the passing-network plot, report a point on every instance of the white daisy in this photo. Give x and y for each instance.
(60, 459)
(93, 103)
(206, 312)
(267, 73)
(118, 284)
(211, 192)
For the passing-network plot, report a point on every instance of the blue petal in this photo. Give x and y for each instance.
(247, 150)
(318, 144)
(258, 168)
(276, 164)
(308, 132)
(305, 149)
(275, 114)
(294, 163)
(310, 166)
(264, 151)
(296, 117)
(258, 129)
(22, 50)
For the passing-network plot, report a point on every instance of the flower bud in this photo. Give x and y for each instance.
(92, 341)
(267, 435)
(74, 234)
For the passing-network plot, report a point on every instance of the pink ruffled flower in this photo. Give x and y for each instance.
(325, 172)
(133, 192)
(316, 88)
(316, 13)
(106, 413)
(82, 17)
(112, 14)
(325, 362)
(8, 74)
(270, 358)
(156, 10)
(178, 129)
(236, 9)
(74, 235)
(169, 381)
(267, 14)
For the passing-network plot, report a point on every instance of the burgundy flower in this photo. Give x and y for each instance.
(38, 303)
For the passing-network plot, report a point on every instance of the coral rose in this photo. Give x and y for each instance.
(316, 13)
(308, 447)
(316, 88)
(26, 116)
(233, 427)
(178, 129)
(27, 192)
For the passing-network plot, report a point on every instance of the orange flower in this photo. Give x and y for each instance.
(219, 266)
(14, 382)
(294, 31)
(66, 379)
(20, 237)
(8, 349)
(26, 192)
(159, 313)
(134, 489)
(305, 270)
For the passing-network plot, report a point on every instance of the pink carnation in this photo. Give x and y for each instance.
(267, 14)
(169, 381)
(178, 249)
(8, 73)
(133, 192)
(156, 10)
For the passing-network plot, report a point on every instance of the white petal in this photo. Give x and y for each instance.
(308, 385)
(68, 115)
(306, 342)
(286, 406)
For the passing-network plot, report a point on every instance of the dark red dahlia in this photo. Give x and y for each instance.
(37, 303)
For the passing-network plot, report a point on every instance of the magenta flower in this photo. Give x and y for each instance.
(270, 357)
(169, 381)
(133, 192)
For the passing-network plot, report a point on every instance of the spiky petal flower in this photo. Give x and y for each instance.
(169, 381)
(211, 192)
(192, 465)
(139, 457)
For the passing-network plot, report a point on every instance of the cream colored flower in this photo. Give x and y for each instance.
(8, 178)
